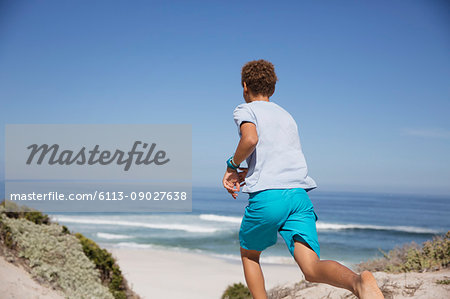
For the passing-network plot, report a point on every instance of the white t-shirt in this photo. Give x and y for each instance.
(277, 161)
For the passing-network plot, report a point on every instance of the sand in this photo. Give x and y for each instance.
(398, 286)
(16, 282)
(173, 274)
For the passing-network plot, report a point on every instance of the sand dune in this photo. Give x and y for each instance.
(170, 274)
(16, 282)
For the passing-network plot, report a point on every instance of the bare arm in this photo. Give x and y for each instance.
(247, 143)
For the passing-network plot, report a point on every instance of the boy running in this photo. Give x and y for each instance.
(277, 181)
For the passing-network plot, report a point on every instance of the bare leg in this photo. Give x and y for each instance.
(330, 272)
(253, 273)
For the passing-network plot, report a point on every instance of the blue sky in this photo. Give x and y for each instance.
(367, 81)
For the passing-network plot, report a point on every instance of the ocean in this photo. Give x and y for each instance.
(352, 227)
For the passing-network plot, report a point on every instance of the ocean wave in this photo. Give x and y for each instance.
(133, 245)
(270, 259)
(405, 229)
(167, 226)
(333, 226)
(220, 218)
(208, 229)
(112, 236)
(284, 260)
(278, 260)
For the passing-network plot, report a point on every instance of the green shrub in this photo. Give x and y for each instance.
(6, 234)
(65, 230)
(56, 258)
(237, 291)
(44, 248)
(105, 263)
(12, 210)
(433, 255)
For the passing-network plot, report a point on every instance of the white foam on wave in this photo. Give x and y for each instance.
(407, 229)
(278, 260)
(167, 226)
(331, 226)
(133, 245)
(112, 236)
(220, 218)
(271, 259)
(230, 257)
(192, 228)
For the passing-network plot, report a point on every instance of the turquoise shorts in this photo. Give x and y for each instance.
(287, 211)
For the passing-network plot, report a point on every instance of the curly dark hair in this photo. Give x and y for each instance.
(260, 77)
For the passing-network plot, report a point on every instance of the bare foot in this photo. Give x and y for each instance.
(367, 287)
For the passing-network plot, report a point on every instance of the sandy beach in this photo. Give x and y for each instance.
(173, 274)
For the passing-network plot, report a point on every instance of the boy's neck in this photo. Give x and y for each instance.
(259, 97)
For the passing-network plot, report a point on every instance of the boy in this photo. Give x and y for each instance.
(277, 181)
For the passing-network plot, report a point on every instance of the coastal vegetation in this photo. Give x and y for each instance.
(237, 291)
(432, 255)
(58, 258)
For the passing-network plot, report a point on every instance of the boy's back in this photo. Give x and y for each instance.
(277, 161)
(277, 181)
